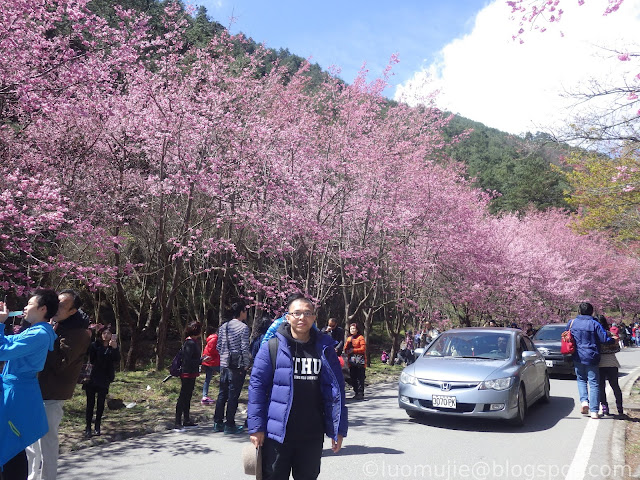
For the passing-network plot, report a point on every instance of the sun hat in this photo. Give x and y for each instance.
(252, 460)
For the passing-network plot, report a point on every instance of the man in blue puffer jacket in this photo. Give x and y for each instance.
(290, 409)
(588, 335)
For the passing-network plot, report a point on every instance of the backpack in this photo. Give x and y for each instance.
(176, 365)
(273, 351)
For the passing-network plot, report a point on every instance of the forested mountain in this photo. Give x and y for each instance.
(516, 170)
(519, 170)
(202, 28)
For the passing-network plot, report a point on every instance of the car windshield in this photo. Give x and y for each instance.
(550, 333)
(491, 345)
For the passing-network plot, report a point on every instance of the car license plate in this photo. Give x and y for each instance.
(443, 401)
(549, 363)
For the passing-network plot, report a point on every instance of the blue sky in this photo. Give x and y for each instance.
(349, 33)
(461, 48)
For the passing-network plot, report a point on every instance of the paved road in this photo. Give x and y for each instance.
(556, 442)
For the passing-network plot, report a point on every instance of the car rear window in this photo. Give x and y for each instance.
(549, 333)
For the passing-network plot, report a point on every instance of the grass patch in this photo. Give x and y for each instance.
(150, 407)
(632, 432)
(380, 372)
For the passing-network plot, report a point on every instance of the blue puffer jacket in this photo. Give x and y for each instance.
(271, 394)
(588, 334)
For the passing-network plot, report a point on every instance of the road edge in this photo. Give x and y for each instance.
(618, 435)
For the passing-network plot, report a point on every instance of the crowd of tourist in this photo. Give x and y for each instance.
(295, 371)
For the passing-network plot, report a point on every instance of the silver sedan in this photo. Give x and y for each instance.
(479, 372)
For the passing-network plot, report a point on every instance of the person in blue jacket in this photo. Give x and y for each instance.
(588, 335)
(292, 406)
(22, 417)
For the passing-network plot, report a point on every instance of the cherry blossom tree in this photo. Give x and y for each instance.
(170, 178)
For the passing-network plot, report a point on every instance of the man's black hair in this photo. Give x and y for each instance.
(47, 298)
(77, 301)
(237, 308)
(300, 297)
(585, 308)
(293, 297)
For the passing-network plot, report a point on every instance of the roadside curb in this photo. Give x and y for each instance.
(618, 436)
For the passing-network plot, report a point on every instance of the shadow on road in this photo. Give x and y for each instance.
(362, 450)
(563, 376)
(539, 417)
(187, 442)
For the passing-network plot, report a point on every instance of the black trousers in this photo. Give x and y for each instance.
(357, 378)
(231, 381)
(299, 457)
(16, 468)
(183, 406)
(91, 401)
(610, 374)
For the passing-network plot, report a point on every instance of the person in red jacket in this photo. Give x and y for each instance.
(210, 364)
(355, 347)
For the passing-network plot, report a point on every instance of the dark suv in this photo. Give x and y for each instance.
(547, 341)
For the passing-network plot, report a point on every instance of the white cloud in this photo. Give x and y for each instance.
(516, 87)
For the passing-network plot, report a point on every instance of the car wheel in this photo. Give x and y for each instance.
(546, 397)
(518, 420)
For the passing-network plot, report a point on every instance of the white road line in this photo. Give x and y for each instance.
(580, 461)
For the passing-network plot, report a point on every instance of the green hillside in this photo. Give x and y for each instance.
(517, 169)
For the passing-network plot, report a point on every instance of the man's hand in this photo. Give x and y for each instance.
(257, 439)
(336, 446)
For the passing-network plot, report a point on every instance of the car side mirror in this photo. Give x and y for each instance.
(529, 355)
(418, 352)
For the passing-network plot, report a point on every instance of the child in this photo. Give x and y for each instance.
(384, 358)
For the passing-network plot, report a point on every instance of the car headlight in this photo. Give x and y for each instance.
(497, 384)
(408, 379)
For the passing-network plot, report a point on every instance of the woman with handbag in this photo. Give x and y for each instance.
(608, 368)
(103, 355)
(356, 348)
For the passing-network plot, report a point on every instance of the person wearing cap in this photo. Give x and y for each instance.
(296, 397)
